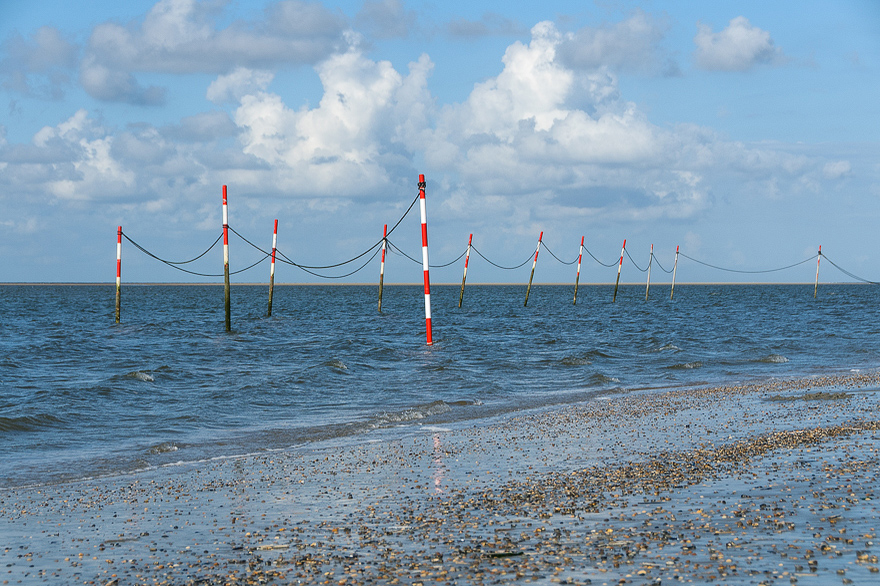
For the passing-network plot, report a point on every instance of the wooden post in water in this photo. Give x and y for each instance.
(578, 276)
(619, 266)
(467, 257)
(674, 267)
(425, 265)
(382, 264)
(272, 268)
(816, 290)
(534, 262)
(118, 272)
(650, 260)
(226, 300)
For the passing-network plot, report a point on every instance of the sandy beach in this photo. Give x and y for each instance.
(767, 483)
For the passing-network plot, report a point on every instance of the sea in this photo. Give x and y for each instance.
(82, 396)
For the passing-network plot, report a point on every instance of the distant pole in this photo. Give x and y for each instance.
(578, 277)
(650, 260)
(226, 263)
(619, 266)
(534, 262)
(674, 266)
(118, 272)
(272, 267)
(423, 209)
(815, 291)
(382, 264)
(467, 257)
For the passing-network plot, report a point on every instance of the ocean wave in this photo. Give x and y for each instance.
(580, 360)
(162, 448)
(668, 347)
(686, 365)
(774, 359)
(29, 422)
(140, 375)
(412, 413)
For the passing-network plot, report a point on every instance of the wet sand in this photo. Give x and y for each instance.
(758, 484)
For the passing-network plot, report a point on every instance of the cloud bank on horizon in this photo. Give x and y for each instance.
(139, 122)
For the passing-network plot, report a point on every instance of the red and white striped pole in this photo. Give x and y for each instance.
(816, 290)
(534, 262)
(118, 272)
(578, 277)
(272, 267)
(467, 257)
(619, 266)
(650, 261)
(382, 264)
(227, 303)
(674, 267)
(425, 265)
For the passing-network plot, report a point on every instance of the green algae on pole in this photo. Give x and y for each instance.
(619, 266)
(382, 264)
(272, 268)
(226, 300)
(534, 262)
(578, 276)
(118, 272)
(467, 256)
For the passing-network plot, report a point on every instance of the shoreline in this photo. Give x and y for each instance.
(764, 482)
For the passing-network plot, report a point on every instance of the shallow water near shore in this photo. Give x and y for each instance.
(81, 396)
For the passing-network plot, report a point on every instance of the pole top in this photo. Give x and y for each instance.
(541, 237)
(624, 242)
(582, 240)
(676, 249)
(421, 177)
(224, 195)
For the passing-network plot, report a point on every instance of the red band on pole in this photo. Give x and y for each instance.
(274, 241)
(119, 254)
(425, 265)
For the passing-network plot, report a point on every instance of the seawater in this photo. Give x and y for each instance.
(82, 396)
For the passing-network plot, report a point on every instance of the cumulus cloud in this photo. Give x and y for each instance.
(39, 65)
(738, 47)
(183, 36)
(239, 83)
(352, 143)
(631, 44)
(837, 169)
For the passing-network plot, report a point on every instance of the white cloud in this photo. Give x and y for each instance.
(738, 47)
(239, 83)
(386, 19)
(352, 143)
(837, 169)
(183, 36)
(631, 44)
(40, 65)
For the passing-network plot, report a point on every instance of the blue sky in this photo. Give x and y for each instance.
(744, 132)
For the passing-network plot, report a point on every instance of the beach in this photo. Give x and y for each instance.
(767, 482)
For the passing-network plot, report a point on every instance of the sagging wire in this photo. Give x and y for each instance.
(749, 272)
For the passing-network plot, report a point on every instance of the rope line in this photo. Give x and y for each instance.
(366, 262)
(559, 259)
(634, 262)
(749, 272)
(475, 249)
(289, 261)
(847, 273)
(171, 262)
(654, 258)
(599, 261)
(397, 250)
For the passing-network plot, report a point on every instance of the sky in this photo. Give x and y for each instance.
(745, 132)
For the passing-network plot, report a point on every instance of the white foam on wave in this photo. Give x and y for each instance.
(141, 376)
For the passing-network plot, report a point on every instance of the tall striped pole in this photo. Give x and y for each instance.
(467, 257)
(534, 262)
(578, 277)
(382, 264)
(118, 272)
(674, 267)
(272, 267)
(226, 299)
(425, 265)
(815, 291)
(619, 266)
(650, 260)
